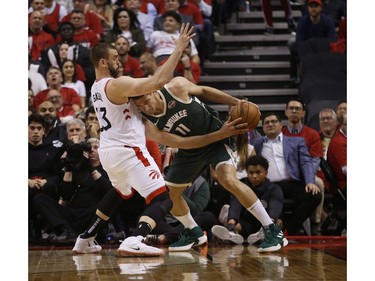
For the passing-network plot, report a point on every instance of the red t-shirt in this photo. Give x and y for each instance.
(41, 41)
(193, 11)
(92, 22)
(337, 157)
(69, 95)
(132, 68)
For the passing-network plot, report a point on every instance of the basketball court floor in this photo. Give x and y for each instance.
(306, 258)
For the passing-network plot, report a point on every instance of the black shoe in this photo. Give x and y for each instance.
(269, 30)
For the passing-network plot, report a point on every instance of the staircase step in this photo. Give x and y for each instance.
(248, 41)
(279, 53)
(244, 68)
(258, 16)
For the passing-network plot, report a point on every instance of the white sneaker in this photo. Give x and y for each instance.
(255, 237)
(223, 216)
(86, 246)
(133, 246)
(224, 234)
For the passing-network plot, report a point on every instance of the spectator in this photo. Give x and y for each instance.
(342, 108)
(83, 185)
(295, 112)
(337, 154)
(54, 13)
(148, 64)
(92, 21)
(291, 167)
(92, 123)
(104, 11)
(146, 22)
(64, 111)
(187, 67)
(125, 23)
(130, 64)
(43, 171)
(39, 40)
(161, 44)
(174, 5)
(38, 83)
(241, 224)
(31, 101)
(313, 25)
(69, 72)
(83, 36)
(267, 11)
(54, 81)
(54, 131)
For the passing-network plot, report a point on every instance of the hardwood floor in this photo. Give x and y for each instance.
(305, 258)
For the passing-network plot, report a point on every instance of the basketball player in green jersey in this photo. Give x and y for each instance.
(176, 109)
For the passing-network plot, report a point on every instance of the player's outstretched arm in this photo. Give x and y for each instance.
(228, 129)
(124, 86)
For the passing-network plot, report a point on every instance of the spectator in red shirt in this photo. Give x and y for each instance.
(92, 21)
(130, 64)
(54, 13)
(64, 111)
(39, 40)
(83, 36)
(54, 81)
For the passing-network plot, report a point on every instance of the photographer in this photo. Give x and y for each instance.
(84, 183)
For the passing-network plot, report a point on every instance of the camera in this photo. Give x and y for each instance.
(74, 152)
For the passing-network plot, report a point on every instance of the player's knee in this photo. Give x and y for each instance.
(227, 180)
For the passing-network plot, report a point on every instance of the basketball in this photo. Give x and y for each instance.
(249, 113)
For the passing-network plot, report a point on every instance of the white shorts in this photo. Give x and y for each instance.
(132, 167)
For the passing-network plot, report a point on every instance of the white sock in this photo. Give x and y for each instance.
(260, 213)
(187, 220)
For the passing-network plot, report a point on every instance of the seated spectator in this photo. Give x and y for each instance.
(187, 67)
(313, 25)
(43, 171)
(239, 223)
(125, 23)
(69, 72)
(291, 168)
(92, 123)
(83, 36)
(148, 64)
(39, 40)
(31, 107)
(342, 108)
(38, 83)
(267, 12)
(54, 13)
(54, 81)
(146, 22)
(84, 183)
(295, 112)
(104, 11)
(161, 44)
(337, 156)
(92, 21)
(130, 64)
(64, 111)
(54, 130)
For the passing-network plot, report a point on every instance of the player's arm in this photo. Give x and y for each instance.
(228, 129)
(183, 87)
(121, 88)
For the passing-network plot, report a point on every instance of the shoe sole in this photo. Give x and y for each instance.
(125, 253)
(222, 233)
(201, 240)
(274, 248)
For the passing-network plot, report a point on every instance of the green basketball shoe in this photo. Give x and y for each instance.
(187, 239)
(273, 239)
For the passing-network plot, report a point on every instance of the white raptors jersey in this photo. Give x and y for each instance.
(119, 124)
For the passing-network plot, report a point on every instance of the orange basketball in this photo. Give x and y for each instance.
(249, 113)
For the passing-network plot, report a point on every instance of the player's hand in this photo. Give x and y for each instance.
(186, 34)
(234, 127)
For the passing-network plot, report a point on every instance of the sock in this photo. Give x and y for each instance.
(143, 228)
(258, 211)
(96, 224)
(187, 220)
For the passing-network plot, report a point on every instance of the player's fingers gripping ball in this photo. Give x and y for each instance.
(248, 112)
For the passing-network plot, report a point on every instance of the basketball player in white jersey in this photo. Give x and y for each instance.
(123, 152)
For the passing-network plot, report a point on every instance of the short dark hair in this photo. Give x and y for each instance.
(36, 118)
(100, 51)
(174, 15)
(257, 160)
(269, 114)
(90, 109)
(297, 100)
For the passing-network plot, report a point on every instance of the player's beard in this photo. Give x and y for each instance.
(113, 71)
